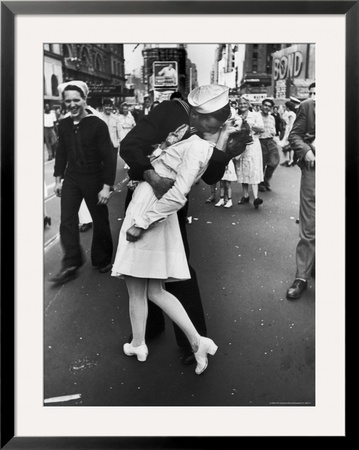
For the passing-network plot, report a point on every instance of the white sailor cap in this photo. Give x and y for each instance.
(209, 98)
(78, 83)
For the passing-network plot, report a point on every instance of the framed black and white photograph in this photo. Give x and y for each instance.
(240, 330)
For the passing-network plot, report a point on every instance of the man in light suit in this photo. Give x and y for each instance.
(302, 141)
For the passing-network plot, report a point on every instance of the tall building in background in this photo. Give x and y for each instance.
(228, 66)
(256, 82)
(167, 69)
(192, 76)
(135, 85)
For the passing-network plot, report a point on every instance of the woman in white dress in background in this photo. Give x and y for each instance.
(249, 166)
(289, 117)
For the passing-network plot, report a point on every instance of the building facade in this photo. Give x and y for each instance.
(53, 73)
(280, 71)
(101, 66)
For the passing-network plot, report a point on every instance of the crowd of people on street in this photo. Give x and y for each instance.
(168, 147)
(270, 127)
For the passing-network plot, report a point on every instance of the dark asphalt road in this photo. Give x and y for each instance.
(245, 261)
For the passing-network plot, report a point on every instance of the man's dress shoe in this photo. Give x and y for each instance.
(257, 201)
(297, 289)
(66, 274)
(187, 357)
(106, 268)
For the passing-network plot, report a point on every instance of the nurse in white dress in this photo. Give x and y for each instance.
(150, 250)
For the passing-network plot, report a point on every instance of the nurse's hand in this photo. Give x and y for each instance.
(226, 130)
(134, 233)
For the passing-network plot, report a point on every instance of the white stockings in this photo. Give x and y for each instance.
(139, 290)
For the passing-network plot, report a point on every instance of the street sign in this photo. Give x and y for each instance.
(161, 95)
(255, 98)
(110, 91)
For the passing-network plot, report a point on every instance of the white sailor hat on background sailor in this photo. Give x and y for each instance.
(209, 98)
(78, 83)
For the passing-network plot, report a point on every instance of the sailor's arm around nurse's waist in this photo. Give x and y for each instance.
(193, 163)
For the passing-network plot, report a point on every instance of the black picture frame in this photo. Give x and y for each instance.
(9, 10)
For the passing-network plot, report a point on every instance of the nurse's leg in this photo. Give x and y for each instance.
(138, 308)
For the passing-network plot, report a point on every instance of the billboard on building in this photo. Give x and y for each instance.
(293, 70)
(165, 74)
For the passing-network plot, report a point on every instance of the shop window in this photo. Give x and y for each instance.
(54, 85)
(65, 51)
(85, 59)
(56, 48)
(98, 63)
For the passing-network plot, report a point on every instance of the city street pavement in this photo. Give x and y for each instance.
(245, 261)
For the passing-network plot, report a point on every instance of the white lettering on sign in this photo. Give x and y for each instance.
(255, 97)
(288, 66)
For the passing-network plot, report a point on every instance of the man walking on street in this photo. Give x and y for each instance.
(84, 161)
(269, 147)
(302, 141)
